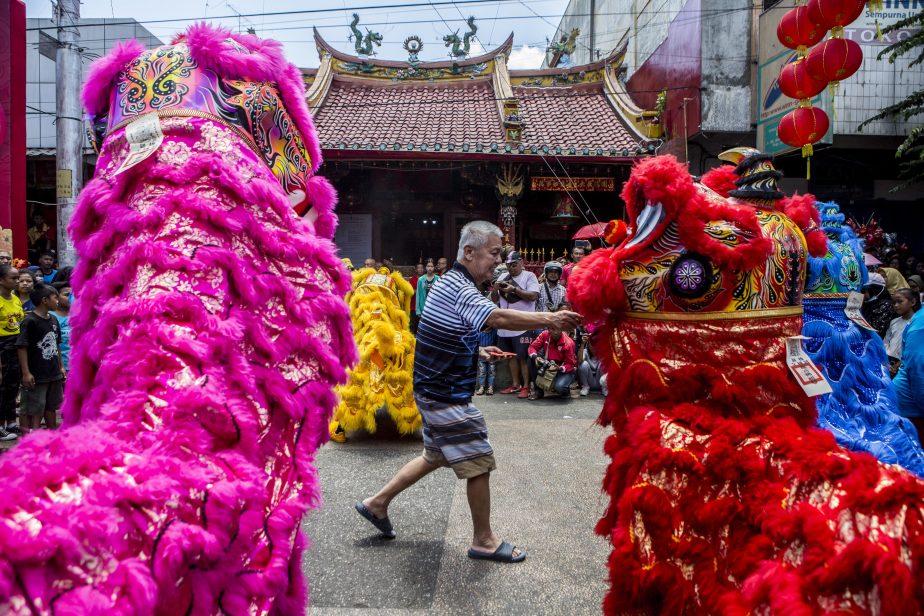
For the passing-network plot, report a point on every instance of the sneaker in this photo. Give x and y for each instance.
(479, 391)
(14, 429)
(7, 436)
(510, 390)
(524, 393)
(585, 390)
(489, 391)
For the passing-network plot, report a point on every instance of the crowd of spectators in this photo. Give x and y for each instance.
(578, 371)
(892, 306)
(35, 305)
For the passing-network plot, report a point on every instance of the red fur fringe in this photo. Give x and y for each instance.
(595, 289)
(721, 180)
(801, 209)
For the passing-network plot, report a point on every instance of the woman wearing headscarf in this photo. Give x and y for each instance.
(916, 283)
(877, 308)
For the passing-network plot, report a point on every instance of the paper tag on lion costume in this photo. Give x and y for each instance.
(807, 374)
(144, 136)
(852, 310)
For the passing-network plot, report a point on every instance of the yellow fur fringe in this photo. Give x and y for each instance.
(384, 374)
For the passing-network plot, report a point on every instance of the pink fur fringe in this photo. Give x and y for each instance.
(207, 334)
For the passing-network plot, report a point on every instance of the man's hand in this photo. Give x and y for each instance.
(492, 354)
(538, 360)
(566, 320)
(63, 372)
(28, 381)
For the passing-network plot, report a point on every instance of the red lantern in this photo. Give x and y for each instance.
(795, 82)
(797, 31)
(835, 14)
(802, 127)
(834, 60)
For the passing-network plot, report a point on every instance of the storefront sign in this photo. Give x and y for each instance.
(864, 29)
(65, 188)
(566, 184)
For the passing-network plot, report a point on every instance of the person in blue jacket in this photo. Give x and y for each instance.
(909, 382)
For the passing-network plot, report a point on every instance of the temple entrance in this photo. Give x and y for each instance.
(413, 237)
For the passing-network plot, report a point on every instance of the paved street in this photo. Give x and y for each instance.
(546, 498)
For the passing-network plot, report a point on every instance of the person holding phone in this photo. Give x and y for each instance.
(517, 290)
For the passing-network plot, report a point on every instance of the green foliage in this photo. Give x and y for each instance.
(911, 152)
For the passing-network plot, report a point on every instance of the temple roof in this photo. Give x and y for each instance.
(366, 107)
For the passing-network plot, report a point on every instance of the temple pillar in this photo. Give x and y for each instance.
(509, 187)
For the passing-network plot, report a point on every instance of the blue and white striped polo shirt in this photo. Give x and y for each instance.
(446, 357)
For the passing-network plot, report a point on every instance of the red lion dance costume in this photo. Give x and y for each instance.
(725, 496)
(208, 335)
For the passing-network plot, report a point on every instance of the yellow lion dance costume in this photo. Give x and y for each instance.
(379, 304)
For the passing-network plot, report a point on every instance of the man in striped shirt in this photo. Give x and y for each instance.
(445, 366)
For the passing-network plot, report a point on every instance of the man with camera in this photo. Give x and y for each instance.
(552, 363)
(517, 290)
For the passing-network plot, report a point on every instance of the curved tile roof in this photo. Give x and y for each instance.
(573, 118)
(367, 104)
(420, 114)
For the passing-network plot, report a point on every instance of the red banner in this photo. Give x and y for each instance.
(566, 184)
(13, 142)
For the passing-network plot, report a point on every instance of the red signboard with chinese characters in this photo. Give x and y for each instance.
(566, 184)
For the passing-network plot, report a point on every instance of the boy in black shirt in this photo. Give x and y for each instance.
(39, 352)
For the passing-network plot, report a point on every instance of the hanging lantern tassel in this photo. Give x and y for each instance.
(807, 152)
(832, 90)
(875, 5)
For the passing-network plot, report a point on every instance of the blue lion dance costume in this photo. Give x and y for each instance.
(862, 411)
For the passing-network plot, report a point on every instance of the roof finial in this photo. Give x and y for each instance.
(461, 46)
(363, 44)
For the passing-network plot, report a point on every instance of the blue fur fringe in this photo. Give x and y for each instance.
(862, 412)
(842, 269)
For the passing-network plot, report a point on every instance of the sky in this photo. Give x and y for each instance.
(531, 21)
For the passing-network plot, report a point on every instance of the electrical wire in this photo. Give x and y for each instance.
(303, 12)
(694, 17)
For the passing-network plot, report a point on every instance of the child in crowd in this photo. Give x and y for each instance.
(62, 313)
(26, 284)
(11, 316)
(39, 349)
(906, 303)
(487, 369)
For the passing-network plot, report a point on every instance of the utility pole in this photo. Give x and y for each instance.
(69, 133)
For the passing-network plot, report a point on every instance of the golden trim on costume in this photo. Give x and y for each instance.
(767, 313)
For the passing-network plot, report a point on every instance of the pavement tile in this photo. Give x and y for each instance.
(545, 497)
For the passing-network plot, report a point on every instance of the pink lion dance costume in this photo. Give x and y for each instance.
(208, 335)
(725, 497)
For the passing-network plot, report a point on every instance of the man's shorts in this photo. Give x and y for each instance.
(41, 398)
(467, 469)
(455, 436)
(517, 344)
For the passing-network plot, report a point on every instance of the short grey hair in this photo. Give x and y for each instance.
(476, 234)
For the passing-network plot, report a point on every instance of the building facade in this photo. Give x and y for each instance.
(714, 66)
(97, 37)
(418, 149)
